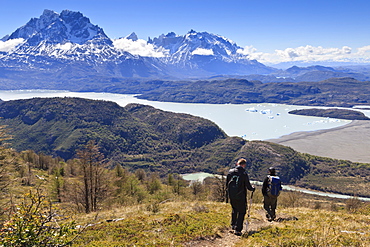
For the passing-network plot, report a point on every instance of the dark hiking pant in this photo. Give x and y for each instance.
(239, 209)
(269, 204)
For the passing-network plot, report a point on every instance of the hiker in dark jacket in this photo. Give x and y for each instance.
(270, 199)
(239, 204)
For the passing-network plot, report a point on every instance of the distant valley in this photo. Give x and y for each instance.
(142, 137)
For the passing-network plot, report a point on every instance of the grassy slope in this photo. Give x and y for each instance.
(200, 223)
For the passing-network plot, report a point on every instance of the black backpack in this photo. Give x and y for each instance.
(234, 187)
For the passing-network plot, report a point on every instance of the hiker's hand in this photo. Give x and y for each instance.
(254, 189)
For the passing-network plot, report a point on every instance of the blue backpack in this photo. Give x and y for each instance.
(274, 186)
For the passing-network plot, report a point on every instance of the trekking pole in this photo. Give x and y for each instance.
(250, 205)
(249, 212)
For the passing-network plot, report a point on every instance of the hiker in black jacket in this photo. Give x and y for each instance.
(238, 202)
(270, 194)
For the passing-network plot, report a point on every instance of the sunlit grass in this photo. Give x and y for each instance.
(176, 223)
(313, 228)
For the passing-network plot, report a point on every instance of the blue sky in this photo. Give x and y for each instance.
(293, 27)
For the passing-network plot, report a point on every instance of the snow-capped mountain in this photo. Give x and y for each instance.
(184, 48)
(67, 47)
(55, 41)
(207, 52)
(67, 36)
(54, 28)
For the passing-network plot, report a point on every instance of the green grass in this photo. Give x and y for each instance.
(177, 223)
(314, 228)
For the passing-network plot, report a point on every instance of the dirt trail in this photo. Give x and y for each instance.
(226, 237)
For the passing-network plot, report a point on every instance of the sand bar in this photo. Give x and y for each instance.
(347, 142)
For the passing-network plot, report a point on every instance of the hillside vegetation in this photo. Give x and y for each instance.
(344, 92)
(332, 113)
(43, 203)
(141, 137)
(136, 134)
(90, 200)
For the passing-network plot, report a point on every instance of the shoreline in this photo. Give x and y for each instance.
(347, 142)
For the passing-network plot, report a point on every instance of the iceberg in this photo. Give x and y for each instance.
(252, 109)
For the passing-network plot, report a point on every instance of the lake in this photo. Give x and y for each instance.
(249, 121)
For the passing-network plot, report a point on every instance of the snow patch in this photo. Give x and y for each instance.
(65, 47)
(203, 52)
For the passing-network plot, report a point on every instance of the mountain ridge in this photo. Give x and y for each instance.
(66, 51)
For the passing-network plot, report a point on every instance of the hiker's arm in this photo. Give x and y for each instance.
(264, 187)
(226, 188)
(248, 183)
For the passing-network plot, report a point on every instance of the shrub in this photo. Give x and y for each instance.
(35, 223)
(290, 199)
(353, 204)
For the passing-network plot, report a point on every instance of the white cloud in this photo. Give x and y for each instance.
(364, 50)
(202, 51)
(10, 44)
(247, 50)
(309, 53)
(139, 47)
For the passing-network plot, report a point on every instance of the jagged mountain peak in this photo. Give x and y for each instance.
(194, 40)
(54, 28)
(132, 37)
(194, 44)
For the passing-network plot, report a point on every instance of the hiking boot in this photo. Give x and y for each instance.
(233, 228)
(238, 233)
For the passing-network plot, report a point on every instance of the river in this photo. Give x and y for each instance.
(200, 176)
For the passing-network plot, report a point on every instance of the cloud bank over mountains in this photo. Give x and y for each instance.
(7, 46)
(143, 48)
(139, 47)
(309, 53)
(306, 53)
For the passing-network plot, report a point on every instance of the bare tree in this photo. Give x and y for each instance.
(94, 186)
(219, 186)
(196, 187)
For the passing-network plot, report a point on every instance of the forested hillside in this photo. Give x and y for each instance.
(136, 134)
(141, 137)
(332, 113)
(345, 92)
